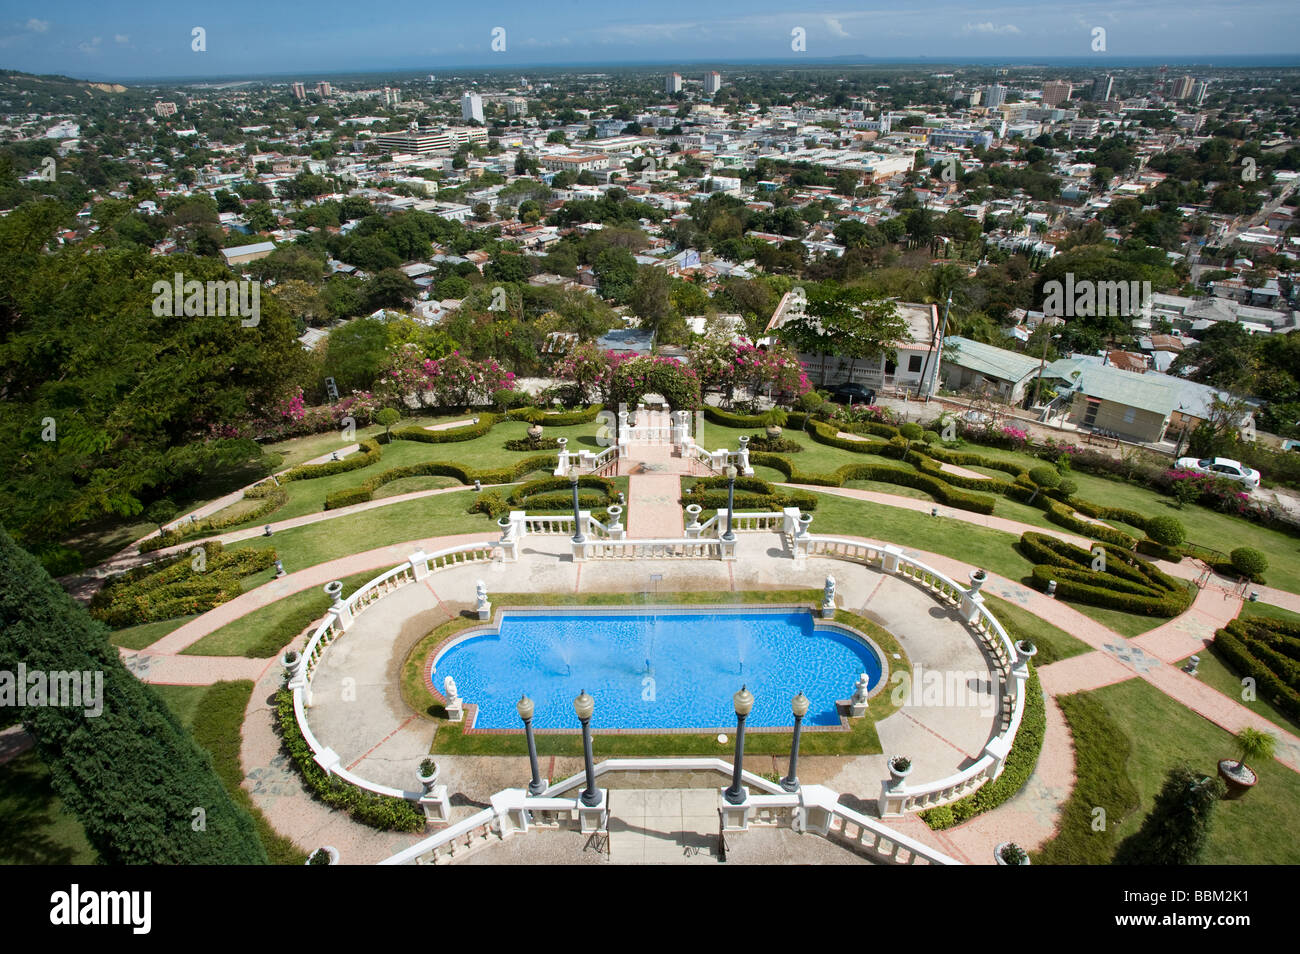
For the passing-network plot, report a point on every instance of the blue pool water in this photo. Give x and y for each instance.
(656, 671)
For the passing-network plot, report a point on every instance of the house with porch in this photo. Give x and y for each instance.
(973, 364)
(914, 368)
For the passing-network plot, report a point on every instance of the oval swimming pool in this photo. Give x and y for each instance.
(670, 669)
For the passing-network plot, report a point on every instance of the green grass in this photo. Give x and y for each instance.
(1126, 624)
(1053, 642)
(1249, 609)
(264, 632)
(35, 827)
(1216, 672)
(427, 517)
(449, 739)
(146, 634)
(214, 715)
(1160, 734)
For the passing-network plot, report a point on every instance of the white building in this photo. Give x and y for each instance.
(471, 107)
(673, 84)
(712, 83)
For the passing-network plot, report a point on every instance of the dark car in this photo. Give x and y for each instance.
(853, 394)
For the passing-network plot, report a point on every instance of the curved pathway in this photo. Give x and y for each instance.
(1030, 817)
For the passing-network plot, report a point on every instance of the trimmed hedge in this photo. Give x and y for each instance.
(452, 435)
(1020, 763)
(1268, 651)
(438, 468)
(1128, 584)
(377, 811)
(368, 454)
(175, 588)
(273, 498)
(535, 415)
(528, 444)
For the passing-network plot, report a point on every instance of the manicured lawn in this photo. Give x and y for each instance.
(449, 739)
(1215, 671)
(1126, 624)
(1053, 642)
(263, 633)
(146, 634)
(35, 828)
(314, 543)
(1249, 609)
(1243, 831)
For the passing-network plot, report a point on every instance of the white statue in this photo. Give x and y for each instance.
(830, 590)
(860, 688)
(480, 591)
(449, 688)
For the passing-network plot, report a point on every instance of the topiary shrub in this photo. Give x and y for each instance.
(911, 430)
(930, 437)
(1167, 531)
(1249, 562)
(1067, 488)
(1047, 478)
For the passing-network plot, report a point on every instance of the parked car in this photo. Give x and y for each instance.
(1221, 467)
(853, 394)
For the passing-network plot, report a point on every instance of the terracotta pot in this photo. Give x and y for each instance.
(1237, 785)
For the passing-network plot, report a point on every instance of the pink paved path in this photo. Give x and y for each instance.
(653, 508)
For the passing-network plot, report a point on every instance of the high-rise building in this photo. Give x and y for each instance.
(392, 96)
(1102, 88)
(1056, 92)
(323, 89)
(299, 91)
(1182, 87)
(712, 83)
(995, 96)
(471, 107)
(516, 106)
(1199, 89)
(673, 84)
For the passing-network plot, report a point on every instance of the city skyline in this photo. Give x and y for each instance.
(157, 41)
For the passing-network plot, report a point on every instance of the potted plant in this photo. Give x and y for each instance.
(428, 774)
(290, 662)
(329, 855)
(535, 434)
(775, 420)
(1240, 777)
(1009, 853)
(900, 766)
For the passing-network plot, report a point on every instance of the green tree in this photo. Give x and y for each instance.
(849, 323)
(1176, 831)
(130, 773)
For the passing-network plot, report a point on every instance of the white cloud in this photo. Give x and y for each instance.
(987, 27)
(38, 26)
(121, 38)
(92, 46)
(836, 28)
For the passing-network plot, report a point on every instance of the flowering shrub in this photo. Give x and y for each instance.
(870, 412)
(1015, 436)
(728, 366)
(453, 381)
(291, 408)
(359, 405)
(632, 377)
(1217, 492)
(590, 370)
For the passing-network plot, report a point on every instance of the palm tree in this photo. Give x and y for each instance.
(1254, 744)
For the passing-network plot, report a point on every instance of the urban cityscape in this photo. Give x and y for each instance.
(538, 455)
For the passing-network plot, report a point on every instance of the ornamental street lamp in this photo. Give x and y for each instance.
(577, 517)
(744, 702)
(525, 709)
(730, 535)
(584, 706)
(799, 706)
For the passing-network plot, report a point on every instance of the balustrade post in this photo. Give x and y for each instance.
(419, 561)
(340, 610)
(889, 559)
(971, 600)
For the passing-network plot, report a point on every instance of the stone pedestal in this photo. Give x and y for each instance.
(858, 702)
(734, 817)
(889, 559)
(693, 527)
(419, 564)
(594, 818)
(436, 805)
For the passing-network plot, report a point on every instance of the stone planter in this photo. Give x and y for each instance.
(1238, 783)
(334, 590)
(329, 850)
(290, 661)
(429, 780)
(1026, 650)
(773, 432)
(805, 519)
(535, 433)
(503, 524)
(897, 774)
(997, 854)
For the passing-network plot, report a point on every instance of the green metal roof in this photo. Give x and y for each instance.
(990, 360)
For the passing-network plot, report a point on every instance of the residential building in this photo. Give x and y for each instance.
(1084, 128)
(516, 106)
(1199, 89)
(324, 90)
(471, 107)
(299, 91)
(995, 96)
(165, 109)
(960, 137)
(914, 367)
(1056, 92)
(1182, 87)
(712, 83)
(575, 163)
(392, 96)
(247, 253)
(972, 364)
(673, 83)
(1102, 88)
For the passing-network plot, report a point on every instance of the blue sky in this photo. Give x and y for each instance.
(154, 39)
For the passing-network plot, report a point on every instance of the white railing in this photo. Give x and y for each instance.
(751, 521)
(339, 620)
(698, 453)
(537, 523)
(666, 549)
(606, 462)
(899, 798)
(814, 809)
(648, 434)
